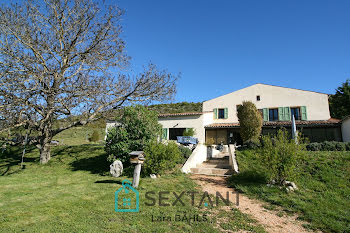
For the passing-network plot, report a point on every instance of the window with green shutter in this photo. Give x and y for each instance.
(215, 113)
(221, 113)
(226, 113)
(284, 114)
(303, 113)
(265, 114)
(295, 111)
(281, 114)
(287, 114)
(165, 134)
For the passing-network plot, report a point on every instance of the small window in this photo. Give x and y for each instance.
(221, 113)
(258, 98)
(273, 114)
(296, 113)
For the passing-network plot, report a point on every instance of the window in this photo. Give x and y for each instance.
(258, 98)
(273, 114)
(296, 113)
(221, 113)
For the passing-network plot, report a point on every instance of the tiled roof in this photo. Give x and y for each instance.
(331, 121)
(180, 114)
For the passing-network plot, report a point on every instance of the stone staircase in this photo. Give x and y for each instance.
(218, 166)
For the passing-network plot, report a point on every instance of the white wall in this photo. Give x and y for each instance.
(271, 97)
(198, 156)
(110, 124)
(345, 129)
(196, 122)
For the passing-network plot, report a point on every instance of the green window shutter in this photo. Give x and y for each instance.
(287, 114)
(281, 114)
(266, 114)
(165, 134)
(215, 113)
(303, 113)
(226, 113)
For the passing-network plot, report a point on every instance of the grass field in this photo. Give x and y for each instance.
(78, 136)
(74, 193)
(323, 198)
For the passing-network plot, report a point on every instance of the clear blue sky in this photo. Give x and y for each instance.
(221, 46)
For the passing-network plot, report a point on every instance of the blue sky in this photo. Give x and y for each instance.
(221, 46)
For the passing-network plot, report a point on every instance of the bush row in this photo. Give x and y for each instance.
(328, 146)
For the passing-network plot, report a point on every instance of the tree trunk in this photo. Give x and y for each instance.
(45, 153)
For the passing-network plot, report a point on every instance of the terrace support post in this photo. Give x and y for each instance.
(136, 179)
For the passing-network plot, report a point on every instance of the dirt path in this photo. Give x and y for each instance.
(268, 218)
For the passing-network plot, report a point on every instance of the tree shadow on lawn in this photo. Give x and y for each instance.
(12, 157)
(108, 182)
(90, 158)
(249, 179)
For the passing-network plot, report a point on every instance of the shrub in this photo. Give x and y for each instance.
(328, 146)
(138, 126)
(340, 146)
(250, 121)
(185, 152)
(280, 155)
(314, 146)
(95, 136)
(347, 146)
(252, 144)
(161, 157)
(189, 132)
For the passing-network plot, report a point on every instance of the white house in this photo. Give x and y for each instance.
(345, 129)
(218, 121)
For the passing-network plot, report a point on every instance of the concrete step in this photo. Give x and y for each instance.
(212, 171)
(221, 155)
(213, 165)
(217, 161)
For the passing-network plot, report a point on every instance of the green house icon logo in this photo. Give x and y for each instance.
(126, 198)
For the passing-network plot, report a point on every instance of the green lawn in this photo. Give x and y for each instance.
(78, 136)
(324, 182)
(74, 193)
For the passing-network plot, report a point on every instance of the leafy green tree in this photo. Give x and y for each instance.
(250, 121)
(138, 126)
(339, 103)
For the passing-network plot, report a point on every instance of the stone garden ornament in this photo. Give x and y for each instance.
(116, 168)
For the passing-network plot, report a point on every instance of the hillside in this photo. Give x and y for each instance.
(177, 107)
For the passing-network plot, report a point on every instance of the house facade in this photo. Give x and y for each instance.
(345, 129)
(218, 121)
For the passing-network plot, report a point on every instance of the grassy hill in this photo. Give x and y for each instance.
(323, 197)
(74, 193)
(177, 107)
(81, 135)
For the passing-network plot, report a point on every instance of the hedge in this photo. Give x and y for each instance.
(328, 146)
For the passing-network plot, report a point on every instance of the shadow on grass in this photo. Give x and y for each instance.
(12, 157)
(86, 158)
(108, 182)
(247, 178)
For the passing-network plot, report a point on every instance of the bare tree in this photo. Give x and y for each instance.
(58, 61)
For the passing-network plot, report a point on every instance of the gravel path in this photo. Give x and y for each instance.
(267, 218)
